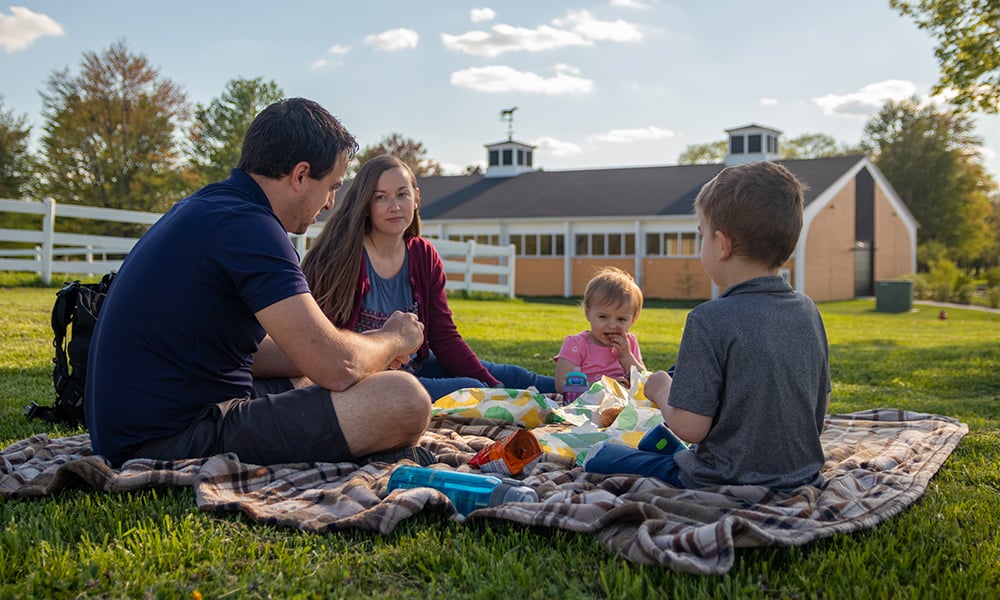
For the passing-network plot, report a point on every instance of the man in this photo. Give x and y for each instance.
(210, 317)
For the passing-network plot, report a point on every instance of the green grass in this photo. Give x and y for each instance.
(155, 543)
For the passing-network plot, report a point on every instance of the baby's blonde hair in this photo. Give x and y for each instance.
(615, 287)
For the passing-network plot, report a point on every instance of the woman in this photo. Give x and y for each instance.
(370, 261)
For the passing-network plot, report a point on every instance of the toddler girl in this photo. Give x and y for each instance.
(611, 303)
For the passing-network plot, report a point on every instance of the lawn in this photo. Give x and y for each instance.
(155, 543)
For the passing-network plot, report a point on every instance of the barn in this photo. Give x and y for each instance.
(565, 224)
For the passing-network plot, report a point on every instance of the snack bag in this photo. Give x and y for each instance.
(614, 401)
(508, 456)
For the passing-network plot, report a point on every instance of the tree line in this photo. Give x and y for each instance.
(116, 134)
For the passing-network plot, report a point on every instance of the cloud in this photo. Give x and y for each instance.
(625, 136)
(557, 148)
(23, 27)
(628, 4)
(336, 50)
(505, 38)
(564, 68)
(501, 79)
(868, 100)
(579, 28)
(394, 39)
(768, 101)
(591, 28)
(477, 15)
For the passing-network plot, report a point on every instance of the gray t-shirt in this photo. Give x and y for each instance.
(385, 297)
(756, 360)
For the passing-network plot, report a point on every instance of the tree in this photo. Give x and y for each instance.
(15, 160)
(933, 161)
(110, 135)
(218, 130)
(704, 154)
(991, 258)
(808, 145)
(967, 49)
(816, 145)
(409, 151)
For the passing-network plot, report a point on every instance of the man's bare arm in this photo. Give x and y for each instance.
(330, 357)
(271, 361)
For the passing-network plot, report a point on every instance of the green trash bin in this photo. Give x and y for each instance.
(893, 296)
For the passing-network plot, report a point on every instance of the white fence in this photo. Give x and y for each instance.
(471, 267)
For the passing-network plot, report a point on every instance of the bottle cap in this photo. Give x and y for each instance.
(507, 492)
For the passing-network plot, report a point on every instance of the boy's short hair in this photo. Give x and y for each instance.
(290, 131)
(613, 286)
(759, 206)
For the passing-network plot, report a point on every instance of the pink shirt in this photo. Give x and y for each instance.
(592, 358)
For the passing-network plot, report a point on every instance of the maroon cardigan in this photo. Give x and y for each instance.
(427, 280)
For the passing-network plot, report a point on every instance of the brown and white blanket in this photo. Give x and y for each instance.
(878, 462)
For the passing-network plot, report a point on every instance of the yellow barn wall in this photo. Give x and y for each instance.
(539, 277)
(893, 257)
(829, 260)
(675, 279)
(665, 278)
(584, 268)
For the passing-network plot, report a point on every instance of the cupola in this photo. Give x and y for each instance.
(509, 158)
(752, 142)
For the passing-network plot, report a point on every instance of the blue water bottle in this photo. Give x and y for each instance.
(467, 491)
(661, 440)
(574, 385)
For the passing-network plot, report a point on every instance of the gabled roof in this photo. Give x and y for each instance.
(625, 192)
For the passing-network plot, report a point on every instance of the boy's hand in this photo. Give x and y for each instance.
(657, 388)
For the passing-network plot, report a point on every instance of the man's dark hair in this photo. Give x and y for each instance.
(290, 131)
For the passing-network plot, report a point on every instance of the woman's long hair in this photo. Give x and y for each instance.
(333, 261)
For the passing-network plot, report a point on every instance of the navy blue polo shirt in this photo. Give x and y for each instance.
(177, 331)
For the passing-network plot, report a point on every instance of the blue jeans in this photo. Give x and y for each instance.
(611, 459)
(439, 382)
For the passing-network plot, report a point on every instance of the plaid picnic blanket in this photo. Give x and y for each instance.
(878, 462)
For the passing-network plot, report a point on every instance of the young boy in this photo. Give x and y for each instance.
(752, 380)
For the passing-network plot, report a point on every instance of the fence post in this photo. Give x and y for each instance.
(48, 233)
(470, 255)
(511, 266)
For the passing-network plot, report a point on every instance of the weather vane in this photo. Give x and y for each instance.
(508, 114)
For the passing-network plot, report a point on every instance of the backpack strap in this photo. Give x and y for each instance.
(62, 316)
(69, 387)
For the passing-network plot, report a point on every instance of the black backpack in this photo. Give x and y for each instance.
(77, 304)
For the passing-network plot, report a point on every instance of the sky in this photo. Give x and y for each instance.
(596, 84)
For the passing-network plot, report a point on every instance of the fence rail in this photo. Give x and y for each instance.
(470, 267)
